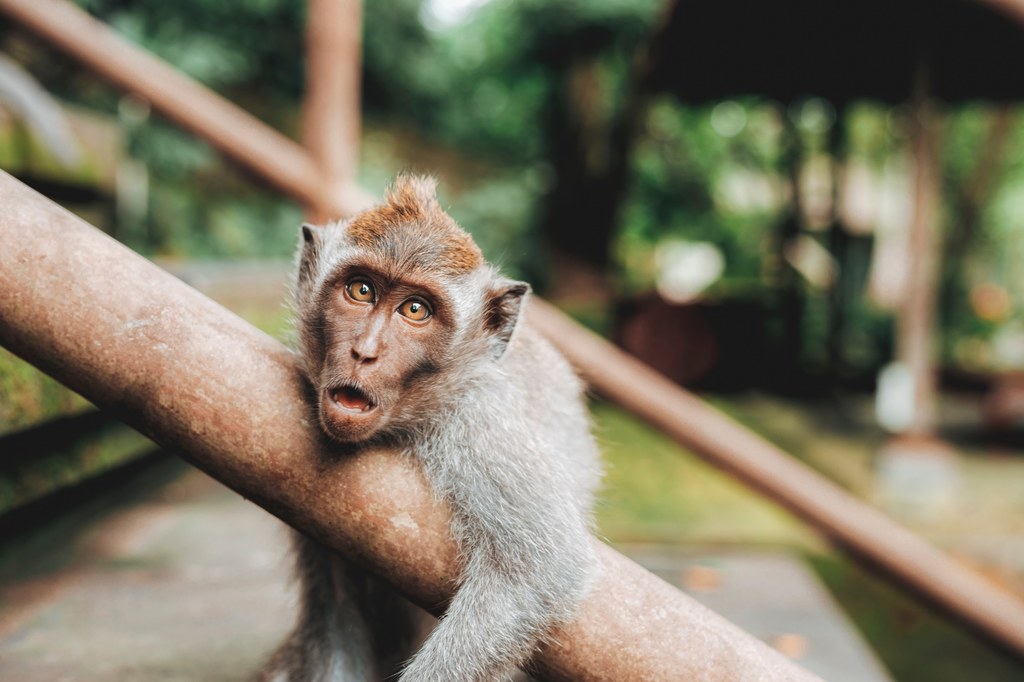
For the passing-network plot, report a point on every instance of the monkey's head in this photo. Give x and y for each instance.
(393, 307)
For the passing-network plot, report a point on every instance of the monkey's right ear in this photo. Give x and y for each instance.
(505, 301)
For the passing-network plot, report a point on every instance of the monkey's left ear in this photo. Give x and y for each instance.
(504, 303)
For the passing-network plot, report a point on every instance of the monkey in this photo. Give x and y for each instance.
(408, 337)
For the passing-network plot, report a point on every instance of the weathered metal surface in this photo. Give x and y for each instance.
(190, 374)
(201, 381)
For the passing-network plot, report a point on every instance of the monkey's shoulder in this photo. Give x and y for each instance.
(532, 360)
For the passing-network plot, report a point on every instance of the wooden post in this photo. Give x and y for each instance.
(916, 321)
(331, 115)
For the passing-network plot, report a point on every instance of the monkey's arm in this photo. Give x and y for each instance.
(525, 539)
(507, 599)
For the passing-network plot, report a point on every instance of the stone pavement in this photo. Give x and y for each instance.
(774, 597)
(192, 584)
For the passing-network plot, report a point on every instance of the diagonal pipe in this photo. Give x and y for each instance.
(201, 381)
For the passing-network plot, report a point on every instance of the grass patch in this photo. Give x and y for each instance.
(913, 641)
(27, 396)
(655, 491)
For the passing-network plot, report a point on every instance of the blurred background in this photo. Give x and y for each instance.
(808, 212)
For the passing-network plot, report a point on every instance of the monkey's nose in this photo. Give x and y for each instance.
(363, 357)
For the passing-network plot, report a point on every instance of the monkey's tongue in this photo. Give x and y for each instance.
(352, 399)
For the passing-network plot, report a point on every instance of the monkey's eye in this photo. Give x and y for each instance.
(415, 309)
(360, 290)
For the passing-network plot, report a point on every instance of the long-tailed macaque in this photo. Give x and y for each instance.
(408, 337)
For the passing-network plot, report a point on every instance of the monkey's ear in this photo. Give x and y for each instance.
(504, 303)
(312, 236)
(311, 233)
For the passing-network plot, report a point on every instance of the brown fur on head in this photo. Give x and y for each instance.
(374, 367)
(412, 200)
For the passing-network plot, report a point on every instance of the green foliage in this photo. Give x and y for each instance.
(27, 396)
(681, 170)
(233, 224)
(251, 44)
(499, 214)
(48, 471)
(492, 89)
(491, 82)
(486, 87)
(404, 75)
(982, 222)
(870, 130)
(251, 51)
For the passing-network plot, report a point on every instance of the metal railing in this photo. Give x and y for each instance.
(202, 382)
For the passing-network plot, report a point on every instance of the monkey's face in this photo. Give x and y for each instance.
(391, 305)
(383, 338)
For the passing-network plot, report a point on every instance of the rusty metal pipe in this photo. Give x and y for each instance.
(201, 381)
(241, 136)
(717, 438)
(681, 415)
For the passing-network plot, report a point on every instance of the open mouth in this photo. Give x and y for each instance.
(352, 399)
